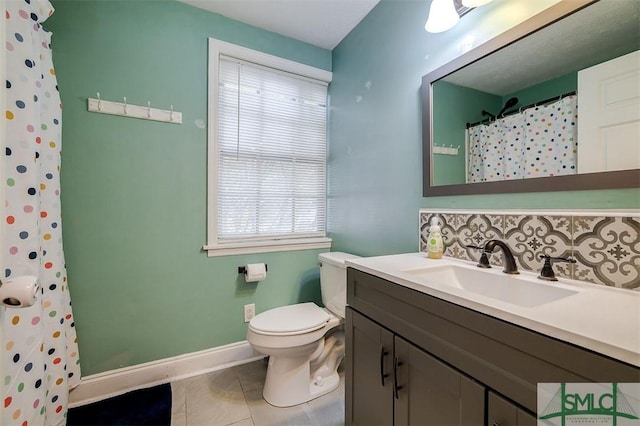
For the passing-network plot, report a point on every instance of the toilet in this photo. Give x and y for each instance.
(305, 342)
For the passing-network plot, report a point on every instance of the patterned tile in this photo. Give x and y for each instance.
(447, 225)
(477, 229)
(529, 237)
(454, 248)
(608, 250)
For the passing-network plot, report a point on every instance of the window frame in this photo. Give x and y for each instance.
(214, 246)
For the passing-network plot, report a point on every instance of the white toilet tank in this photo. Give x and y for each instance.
(333, 280)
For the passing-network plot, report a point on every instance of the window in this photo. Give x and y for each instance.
(267, 153)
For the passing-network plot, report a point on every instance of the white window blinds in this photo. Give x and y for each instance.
(271, 154)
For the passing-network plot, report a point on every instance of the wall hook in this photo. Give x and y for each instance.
(144, 112)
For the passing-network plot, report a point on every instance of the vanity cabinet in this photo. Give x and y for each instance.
(372, 346)
(409, 385)
(412, 358)
(501, 412)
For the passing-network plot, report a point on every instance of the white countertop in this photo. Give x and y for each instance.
(603, 319)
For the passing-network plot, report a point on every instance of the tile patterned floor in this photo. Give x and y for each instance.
(234, 397)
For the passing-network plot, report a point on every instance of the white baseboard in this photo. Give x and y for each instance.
(116, 382)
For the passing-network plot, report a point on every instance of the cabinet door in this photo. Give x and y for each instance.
(430, 392)
(368, 378)
(503, 412)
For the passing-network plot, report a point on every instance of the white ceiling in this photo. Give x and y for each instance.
(323, 23)
(604, 30)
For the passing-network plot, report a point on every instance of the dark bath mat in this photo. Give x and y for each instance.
(148, 407)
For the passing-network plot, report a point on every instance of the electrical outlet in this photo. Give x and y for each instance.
(249, 312)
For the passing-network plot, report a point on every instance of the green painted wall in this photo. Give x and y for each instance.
(375, 163)
(456, 106)
(545, 90)
(134, 191)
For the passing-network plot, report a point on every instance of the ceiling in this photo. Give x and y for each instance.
(323, 23)
(597, 33)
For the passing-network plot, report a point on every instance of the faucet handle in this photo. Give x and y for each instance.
(547, 272)
(483, 262)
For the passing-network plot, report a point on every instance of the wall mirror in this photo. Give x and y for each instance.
(535, 66)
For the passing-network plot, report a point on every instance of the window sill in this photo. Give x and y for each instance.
(267, 246)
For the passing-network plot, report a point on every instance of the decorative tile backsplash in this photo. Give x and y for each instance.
(606, 247)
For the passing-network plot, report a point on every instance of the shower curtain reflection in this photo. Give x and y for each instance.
(536, 142)
(39, 353)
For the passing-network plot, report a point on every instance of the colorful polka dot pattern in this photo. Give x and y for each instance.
(541, 141)
(39, 349)
(551, 139)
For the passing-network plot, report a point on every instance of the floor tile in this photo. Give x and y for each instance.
(328, 410)
(178, 404)
(245, 422)
(264, 414)
(215, 399)
(233, 397)
(252, 374)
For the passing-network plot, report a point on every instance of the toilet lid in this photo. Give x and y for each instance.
(290, 319)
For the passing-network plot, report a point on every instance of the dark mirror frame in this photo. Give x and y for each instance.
(586, 181)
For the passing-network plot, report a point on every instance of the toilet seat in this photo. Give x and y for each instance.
(290, 320)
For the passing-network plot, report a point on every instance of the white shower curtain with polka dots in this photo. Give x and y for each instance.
(540, 141)
(39, 352)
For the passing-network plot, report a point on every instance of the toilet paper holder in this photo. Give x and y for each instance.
(19, 292)
(243, 269)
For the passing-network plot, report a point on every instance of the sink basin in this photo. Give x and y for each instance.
(518, 290)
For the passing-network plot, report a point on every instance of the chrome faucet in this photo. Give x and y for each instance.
(510, 266)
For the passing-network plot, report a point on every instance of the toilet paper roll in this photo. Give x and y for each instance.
(255, 272)
(19, 292)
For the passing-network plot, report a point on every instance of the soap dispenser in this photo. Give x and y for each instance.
(435, 246)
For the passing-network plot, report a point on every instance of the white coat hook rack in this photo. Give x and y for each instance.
(133, 111)
(446, 150)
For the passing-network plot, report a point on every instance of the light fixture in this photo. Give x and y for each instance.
(442, 16)
(474, 3)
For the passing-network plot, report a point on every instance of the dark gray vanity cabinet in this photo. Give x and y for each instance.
(414, 359)
(398, 383)
(431, 393)
(503, 412)
(372, 347)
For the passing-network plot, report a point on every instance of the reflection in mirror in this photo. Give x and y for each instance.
(514, 114)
